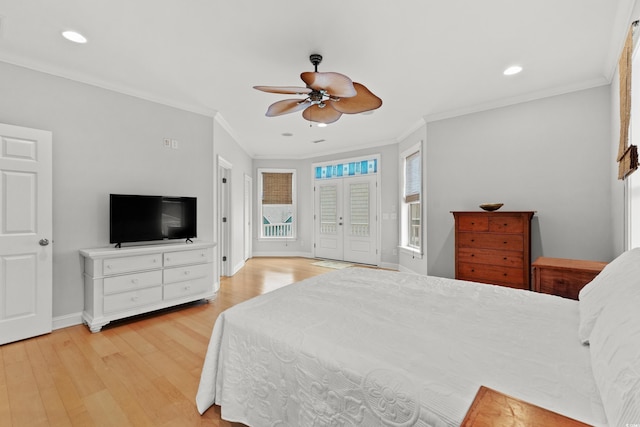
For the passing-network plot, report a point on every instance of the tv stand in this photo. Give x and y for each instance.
(124, 282)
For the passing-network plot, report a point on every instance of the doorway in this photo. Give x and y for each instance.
(346, 219)
(224, 216)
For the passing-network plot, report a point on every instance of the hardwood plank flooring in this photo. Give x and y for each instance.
(140, 372)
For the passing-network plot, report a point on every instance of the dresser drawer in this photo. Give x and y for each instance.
(187, 288)
(191, 272)
(506, 224)
(491, 256)
(563, 283)
(133, 281)
(186, 257)
(131, 263)
(509, 242)
(473, 223)
(512, 277)
(127, 300)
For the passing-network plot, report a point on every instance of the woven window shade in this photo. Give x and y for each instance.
(412, 178)
(627, 154)
(276, 188)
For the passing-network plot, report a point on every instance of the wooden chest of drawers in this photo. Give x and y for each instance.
(494, 247)
(563, 277)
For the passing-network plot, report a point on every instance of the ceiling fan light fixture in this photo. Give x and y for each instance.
(328, 96)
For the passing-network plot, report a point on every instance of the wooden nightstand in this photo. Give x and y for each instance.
(563, 277)
(494, 409)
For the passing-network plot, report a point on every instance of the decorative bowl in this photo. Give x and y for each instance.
(491, 206)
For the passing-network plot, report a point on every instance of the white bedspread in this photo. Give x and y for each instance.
(364, 347)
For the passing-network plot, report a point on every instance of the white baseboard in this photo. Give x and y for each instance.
(282, 254)
(237, 267)
(389, 265)
(67, 320)
(404, 269)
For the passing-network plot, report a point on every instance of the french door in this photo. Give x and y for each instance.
(25, 233)
(345, 219)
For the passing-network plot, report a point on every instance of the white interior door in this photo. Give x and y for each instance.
(360, 225)
(346, 220)
(25, 232)
(329, 237)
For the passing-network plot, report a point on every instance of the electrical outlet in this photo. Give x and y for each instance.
(174, 144)
(166, 142)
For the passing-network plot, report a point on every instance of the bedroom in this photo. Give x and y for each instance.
(106, 141)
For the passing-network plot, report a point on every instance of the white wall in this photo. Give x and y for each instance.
(105, 142)
(550, 155)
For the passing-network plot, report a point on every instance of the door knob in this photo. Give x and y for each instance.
(43, 242)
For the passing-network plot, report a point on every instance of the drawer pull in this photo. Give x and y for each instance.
(505, 274)
(472, 255)
(473, 240)
(505, 258)
(505, 243)
(473, 223)
(473, 270)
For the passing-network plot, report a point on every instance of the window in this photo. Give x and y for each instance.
(411, 211)
(277, 203)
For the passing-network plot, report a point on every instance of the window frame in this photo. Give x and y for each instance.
(260, 205)
(405, 244)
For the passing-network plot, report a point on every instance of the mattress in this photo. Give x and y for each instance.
(366, 347)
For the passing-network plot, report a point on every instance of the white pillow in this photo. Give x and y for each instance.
(615, 357)
(618, 276)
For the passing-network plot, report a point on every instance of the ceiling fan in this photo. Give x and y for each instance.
(328, 96)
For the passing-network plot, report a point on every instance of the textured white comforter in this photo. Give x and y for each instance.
(364, 347)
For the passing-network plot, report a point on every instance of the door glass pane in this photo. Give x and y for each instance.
(359, 209)
(328, 209)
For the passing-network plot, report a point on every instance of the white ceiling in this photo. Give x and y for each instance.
(426, 59)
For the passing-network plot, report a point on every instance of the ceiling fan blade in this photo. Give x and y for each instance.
(321, 115)
(286, 106)
(365, 100)
(292, 90)
(336, 84)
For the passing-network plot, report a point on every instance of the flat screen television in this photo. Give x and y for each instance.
(138, 218)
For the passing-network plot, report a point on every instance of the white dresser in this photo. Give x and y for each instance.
(124, 282)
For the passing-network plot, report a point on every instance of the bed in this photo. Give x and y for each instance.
(366, 347)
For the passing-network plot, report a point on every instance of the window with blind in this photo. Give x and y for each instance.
(277, 203)
(411, 207)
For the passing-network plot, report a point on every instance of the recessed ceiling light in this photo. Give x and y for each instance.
(322, 125)
(74, 36)
(514, 69)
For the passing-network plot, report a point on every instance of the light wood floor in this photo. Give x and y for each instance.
(135, 373)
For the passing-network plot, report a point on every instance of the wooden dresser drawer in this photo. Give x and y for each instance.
(186, 257)
(473, 223)
(133, 281)
(128, 300)
(132, 263)
(508, 242)
(491, 256)
(506, 224)
(508, 276)
(564, 277)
